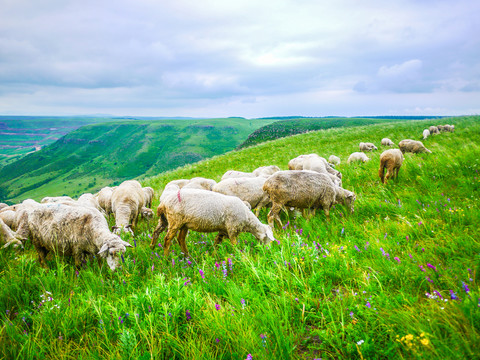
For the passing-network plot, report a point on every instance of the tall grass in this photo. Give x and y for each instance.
(395, 279)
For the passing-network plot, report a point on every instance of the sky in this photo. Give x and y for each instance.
(250, 58)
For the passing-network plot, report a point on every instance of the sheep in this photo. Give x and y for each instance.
(335, 160)
(8, 236)
(304, 190)
(200, 183)
(180, 183)
(10, 215)
(260, 171)
(104, 199)
(265, 171)
(433, 130)
(387, 142)
(391, 159)
(54, 199)
(76, 231)
(367, 146)
(90, 200)
(127, 203)
(357, 156)
(313, 162)
(148, 193)
(426, 134)
(441, 128)
(449, 128)
(413, 146)
(206, 211)
(247, 189)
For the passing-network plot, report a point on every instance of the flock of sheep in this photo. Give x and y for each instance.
(79, 228)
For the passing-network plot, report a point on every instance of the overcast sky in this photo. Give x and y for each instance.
(251, 58)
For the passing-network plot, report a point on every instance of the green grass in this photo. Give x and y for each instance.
(354, 287)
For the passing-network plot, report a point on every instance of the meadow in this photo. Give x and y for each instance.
(397, 279)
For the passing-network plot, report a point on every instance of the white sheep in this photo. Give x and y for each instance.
(304, 190)
(433, 130)
(392, 160)
(76, 231)
(8, 236)
(387, 142)
(367, 146)
(412, 146)
(247, 189)
(206, 211)
(260, 171)
(127, 203)
(426, 134)
(357, 156)
(335, 160)
(54, 199)
(313, 162)
(104, 199)
(200, 183)
(449, 128)
(148, 193)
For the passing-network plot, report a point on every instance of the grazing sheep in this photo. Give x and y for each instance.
(247, 189)
(89, 200)
(441, 128)
(104, 199)
(127, 203)
(304, 190)
(265, 171)
(412, 146)
(367, 146)
(148, 194)
(200, 183)
(387, 142)
(449, 128)
(260, 171)
(76, 231)
(357, 156)
(206, 211)
(54, 199)
(313, 162)
(426, 134)
(334, 160)
(8, 236)
(391, 159)
(11, 214)
(433, 130)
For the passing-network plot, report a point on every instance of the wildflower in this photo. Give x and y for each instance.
(465, 287)
(343, 229)
(249, 357)
(351, 314)
(153, 267)
(360, 342)
(432, 266)
(230, 264)
(453, 296)
(396, 258)
(425, 342)
(217, 306)
(429, 280)
(409, 337)
(438, 294)
(173, 262)
(368, 305)
(421, 267)
(356, 248)
(187, 314)
(201, 273)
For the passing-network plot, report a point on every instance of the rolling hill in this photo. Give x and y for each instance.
(102, 154)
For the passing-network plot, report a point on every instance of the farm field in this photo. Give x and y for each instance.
(397, 279)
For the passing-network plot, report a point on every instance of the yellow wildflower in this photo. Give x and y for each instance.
(425, 342)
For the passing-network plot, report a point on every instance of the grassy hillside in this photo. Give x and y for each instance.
(293, 126)
(395, 279)
(20, 135)
(108, 153)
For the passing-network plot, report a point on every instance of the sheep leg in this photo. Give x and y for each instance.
(273, 215)
(156, 233)
(42, 254)
(218, 239)
(326, 210)
(181, 240)
(168, 240)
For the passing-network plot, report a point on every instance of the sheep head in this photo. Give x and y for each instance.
(266, 234)
(113, 250)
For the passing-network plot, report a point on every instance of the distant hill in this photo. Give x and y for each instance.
(92, 156)
(287, 126)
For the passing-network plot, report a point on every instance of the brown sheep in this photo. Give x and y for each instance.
(304, 190)
(391, 159)
(412, 146)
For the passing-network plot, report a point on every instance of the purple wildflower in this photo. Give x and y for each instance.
(396, 258)
(465, 287)
(201, 273)
(421, 267)
(356, 248)
(217, 306)
(217, 340)
(173, 262)
(368, 305)
(453, 296)
(249, 357)
(429, 280)
(432, 266)
(153, 267)
(438, 294)
(187, 314)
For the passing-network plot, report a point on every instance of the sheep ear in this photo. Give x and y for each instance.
(103, 249)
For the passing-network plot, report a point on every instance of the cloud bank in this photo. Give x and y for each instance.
(239, 58)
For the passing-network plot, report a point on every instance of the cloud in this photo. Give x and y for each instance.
(180, 55)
